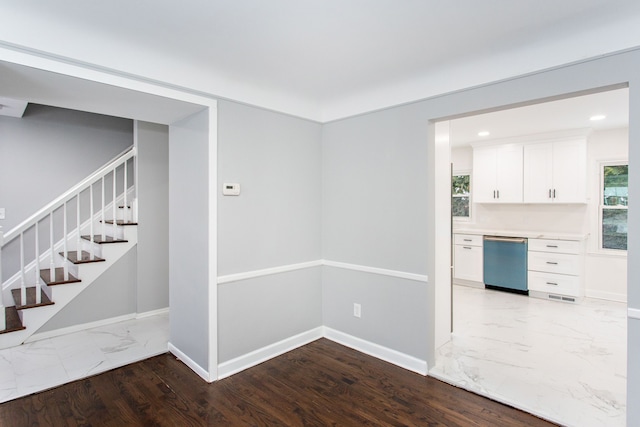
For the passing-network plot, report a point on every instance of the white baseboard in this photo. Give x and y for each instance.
(468, 283)
(609, 296)
(389, 355)
(152, 313)
(190, 363)
(77, 328)
(263, 354)
(90, 325)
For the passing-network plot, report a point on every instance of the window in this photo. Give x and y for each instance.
(461, 196)
(613, 206)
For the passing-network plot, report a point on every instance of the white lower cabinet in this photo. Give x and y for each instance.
(556, 269)
(467, 257)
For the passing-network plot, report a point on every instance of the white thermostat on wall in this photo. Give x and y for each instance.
(231, 189)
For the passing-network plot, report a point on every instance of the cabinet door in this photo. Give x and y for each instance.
(467, 264)
(484, 175)
(570, 171)
(538, 176)
(509, 173)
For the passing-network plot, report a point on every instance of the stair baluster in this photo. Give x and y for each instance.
(65, 237)
(125, 209)
(37, 267)
(115, 207)
(52, 264)
(23, 286)
(102, 209)
(92, 249)
(79, 224)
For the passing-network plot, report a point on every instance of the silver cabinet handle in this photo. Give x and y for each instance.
(554, 193)
(549, 193)
(494, 194)
(552, 263)
(498, 191)
(551, 283)
(468, 240)
(552, 246)
(467, 247)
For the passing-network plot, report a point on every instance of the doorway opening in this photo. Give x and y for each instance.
(544, 352)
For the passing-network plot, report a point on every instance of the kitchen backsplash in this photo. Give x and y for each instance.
(551, 218)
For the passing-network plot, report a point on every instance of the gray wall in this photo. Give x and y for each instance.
(189, 279)
(374, 190)
(392, 309)
(276, 160)
(374, 214)
(110, 295)
(152, 143)
(48, 151)
(255, 313)
(274, 222)
(353, 135)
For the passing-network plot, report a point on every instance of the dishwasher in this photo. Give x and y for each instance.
(505, 263)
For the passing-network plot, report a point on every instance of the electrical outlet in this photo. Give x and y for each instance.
(357, 309)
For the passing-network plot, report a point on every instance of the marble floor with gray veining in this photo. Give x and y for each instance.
(564, 362)
(40, 365)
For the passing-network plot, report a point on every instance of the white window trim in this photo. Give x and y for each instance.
(601, 206)
(470, 217)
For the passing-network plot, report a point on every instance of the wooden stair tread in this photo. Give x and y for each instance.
(58, 278)
(31, 298)
(120, 222)
(13, 322)
(97, 238)
(85, 257)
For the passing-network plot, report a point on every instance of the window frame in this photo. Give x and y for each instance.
(462, 173)
(602, 206)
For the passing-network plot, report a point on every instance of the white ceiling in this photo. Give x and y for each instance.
(322, 59)
(562, 115)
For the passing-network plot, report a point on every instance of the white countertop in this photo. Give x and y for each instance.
(527, 234)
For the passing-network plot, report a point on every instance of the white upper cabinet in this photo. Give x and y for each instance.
(555, 172)
(497, 174)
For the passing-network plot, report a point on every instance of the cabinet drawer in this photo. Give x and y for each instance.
(555, 246)
(554, 283)
(467, 239)
(554, 263)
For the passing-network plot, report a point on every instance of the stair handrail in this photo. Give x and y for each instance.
(67, 195)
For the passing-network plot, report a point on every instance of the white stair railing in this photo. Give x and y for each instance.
(46, 214)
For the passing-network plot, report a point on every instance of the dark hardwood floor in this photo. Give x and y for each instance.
(320, 384)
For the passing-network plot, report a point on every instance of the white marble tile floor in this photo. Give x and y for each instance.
(41, 365)
(563, 362)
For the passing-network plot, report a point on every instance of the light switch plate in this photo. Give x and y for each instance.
(1, 213)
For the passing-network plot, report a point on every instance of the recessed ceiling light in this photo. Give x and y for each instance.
(484, 133)
(597, 117)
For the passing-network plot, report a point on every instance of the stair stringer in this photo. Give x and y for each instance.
(34, 318)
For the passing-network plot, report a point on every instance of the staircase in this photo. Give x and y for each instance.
(92, 239)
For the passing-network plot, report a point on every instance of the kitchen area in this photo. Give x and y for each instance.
(539, 203)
